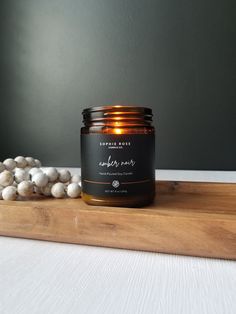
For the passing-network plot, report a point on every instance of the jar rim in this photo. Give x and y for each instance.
(124, 108)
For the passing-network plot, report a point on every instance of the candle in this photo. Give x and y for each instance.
(118, 156)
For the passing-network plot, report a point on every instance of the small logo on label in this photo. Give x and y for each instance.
(115, 183)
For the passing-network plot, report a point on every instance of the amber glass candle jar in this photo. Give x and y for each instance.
(118, 156)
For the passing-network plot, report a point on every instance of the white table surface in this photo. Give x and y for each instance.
(54, 278)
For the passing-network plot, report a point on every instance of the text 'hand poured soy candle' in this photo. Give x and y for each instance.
(118, 156)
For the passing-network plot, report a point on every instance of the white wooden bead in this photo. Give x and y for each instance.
(21, 175)
(25, 188)
(20, 162)
(34, 170)
(6, 178)
(2, 167)
(9, 193)
(28, 168)
(30, 161)
(40, 179)
(58, 190)
(10, 164)
(17, 169)
(52, 174)
(64, 175)
(38, 163)
(73, 190)
(75, 178)
(46, 190)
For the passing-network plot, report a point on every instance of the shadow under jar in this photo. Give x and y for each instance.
(118, 156)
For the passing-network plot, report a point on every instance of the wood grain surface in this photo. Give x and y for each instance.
(187, 218)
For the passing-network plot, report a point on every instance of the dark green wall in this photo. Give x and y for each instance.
(178, 57)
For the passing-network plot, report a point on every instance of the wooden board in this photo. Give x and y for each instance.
(187, 218)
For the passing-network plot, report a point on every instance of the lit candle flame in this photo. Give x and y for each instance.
(118, 131)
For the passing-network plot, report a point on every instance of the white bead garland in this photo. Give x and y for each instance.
(9, 193)
(46, 190)
(6, 178)
(40, 179)
(25, 188)
(34, 170)
(76, 178)
(64, 175)
(23, 176)
(52, 174)
(30, 162)
(38, 163)
(20, 162)
(10, 164)
(58, 190)
(73, 190)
